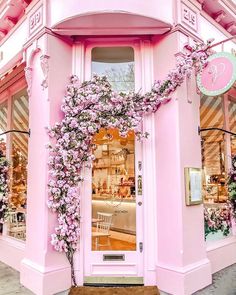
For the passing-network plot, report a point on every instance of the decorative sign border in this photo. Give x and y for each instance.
(207, 92)
(193, 186)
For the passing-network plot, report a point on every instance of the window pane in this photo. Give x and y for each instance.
(117, 63)
(3, 128)
(113, 192)
(232, 123)
(213, 150)
(213, 162)
(3, 121)
(19, 158)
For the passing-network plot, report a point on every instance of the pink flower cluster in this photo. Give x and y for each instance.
(192, 59)
(87, 108)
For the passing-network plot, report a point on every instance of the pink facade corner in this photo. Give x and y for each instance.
(55, 40)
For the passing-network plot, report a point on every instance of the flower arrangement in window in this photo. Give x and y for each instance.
(4, 188)
(88, 108)
(218, 219)
(232, 186)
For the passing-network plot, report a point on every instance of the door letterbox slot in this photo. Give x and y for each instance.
(113, 257)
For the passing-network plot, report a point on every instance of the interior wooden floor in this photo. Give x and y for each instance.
(115, 245)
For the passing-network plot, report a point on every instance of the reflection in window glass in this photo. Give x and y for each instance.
(3, 128)
(113, 192)
(3, 121)
(213, 159)
(117, 63)
(213, 151)
(18, 171)
(232, 124)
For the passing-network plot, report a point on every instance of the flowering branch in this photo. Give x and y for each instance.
(88, 108)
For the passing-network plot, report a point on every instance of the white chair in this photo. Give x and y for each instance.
(16, 229)
(103, 228)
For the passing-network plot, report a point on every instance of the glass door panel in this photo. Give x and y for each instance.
(117, 63)
(113, 192)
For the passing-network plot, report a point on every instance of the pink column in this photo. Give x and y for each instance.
(182, 265)
(43, 270)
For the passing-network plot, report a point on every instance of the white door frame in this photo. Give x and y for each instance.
(143, 52)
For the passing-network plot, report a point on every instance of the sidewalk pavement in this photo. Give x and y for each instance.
(224, 283)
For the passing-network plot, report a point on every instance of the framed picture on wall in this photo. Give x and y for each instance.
(193, 186)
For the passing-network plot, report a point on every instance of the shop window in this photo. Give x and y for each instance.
(113, 172)
(17, 147)
(117, 63)
(214, 159)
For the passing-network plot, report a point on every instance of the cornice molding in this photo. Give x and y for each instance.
(40, 33)
(43, 31)
(182, 29)
(214, 23)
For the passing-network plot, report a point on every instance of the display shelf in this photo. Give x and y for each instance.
(124, 184)
(127, 200)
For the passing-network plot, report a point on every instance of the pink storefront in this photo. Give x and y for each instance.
(152, 236)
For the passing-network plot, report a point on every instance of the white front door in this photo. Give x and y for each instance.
(113, 201)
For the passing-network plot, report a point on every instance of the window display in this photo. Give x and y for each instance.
(113, 192)
(16, 146)
(213, 151)
(217, 150)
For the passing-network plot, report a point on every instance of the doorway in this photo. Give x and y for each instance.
(113, 210)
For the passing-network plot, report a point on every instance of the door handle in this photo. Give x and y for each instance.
(141, 247)
(140, 203)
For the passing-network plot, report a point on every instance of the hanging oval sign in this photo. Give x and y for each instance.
(219, 75)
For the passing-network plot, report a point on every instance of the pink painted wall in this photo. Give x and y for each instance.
(161, 9)
(176, 258)
(180, 228)
(12, 252)
(221, 253)
(42, 265)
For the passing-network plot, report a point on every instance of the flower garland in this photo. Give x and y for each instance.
(88, 108)
(4, 188)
